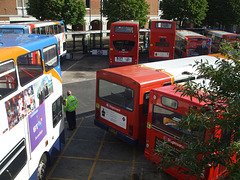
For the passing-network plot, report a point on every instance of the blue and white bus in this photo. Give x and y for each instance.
(31, 124)
(55, 28)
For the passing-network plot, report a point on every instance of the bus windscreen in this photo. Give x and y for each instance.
(164, 25)
(123, 29)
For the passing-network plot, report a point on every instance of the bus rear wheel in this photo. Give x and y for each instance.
(42, 167)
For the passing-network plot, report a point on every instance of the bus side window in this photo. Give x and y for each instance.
(38, 30)
(33, 30)
(42, 30)
(62, 28)
(47, 29)
(145, 102)
(50, 29)
(50, 57)
(29, 66)
(8, 78)
(55, 29)
(14, 162)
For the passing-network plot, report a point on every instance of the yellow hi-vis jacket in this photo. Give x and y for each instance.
(71, 104)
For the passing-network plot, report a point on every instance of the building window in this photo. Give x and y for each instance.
(88, 3)
(22, 3)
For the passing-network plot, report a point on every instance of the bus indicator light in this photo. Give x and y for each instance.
(46, 143)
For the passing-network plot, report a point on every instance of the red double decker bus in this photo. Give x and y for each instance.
(124, 43)
(162, 40)
(166, 108)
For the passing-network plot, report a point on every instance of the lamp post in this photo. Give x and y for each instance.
(90, 27)
(101, 6)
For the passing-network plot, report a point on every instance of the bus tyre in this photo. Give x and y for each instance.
(42, 168)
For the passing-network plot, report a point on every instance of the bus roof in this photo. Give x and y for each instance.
(41, 23)
(11, 40)
(186, 33)
(181, 67)
(12, 26)
(169, 90)
(220, 33)
(161, 20)
(23, 42)
(126, 21)
(176, 69)
(35, 23)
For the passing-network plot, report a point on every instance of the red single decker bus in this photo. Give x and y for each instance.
(124, 43)
(162, 40)
(122, 94)
(166, 108)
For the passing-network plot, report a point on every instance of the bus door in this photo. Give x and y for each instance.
(166, 109)
(162, 40)
(124, 43)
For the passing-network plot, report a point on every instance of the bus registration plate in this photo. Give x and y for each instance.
(123, 59)
(112, 130)
(161, 54)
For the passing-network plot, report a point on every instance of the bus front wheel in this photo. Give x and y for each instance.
(42, 167)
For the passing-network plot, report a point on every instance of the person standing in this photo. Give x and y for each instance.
(70, 107)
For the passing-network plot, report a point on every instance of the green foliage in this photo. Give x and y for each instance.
(220, 114)
(222, 12)
(116, 10)
(185, 10)
(70, 11)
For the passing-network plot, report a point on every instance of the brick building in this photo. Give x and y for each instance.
(15, 11)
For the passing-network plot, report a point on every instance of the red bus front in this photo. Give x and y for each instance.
(162, 40)
(124, 43)
(166, 109)
(122, 100)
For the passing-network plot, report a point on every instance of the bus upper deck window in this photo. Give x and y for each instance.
(8, 78)
(29, 66)
(42, 30)
(50, 57)
(55, 29)
(62, 28)
(164, 25)
(124, 29)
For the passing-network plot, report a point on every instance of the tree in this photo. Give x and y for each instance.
(217, 17)
(116, 10)
(70, 11)
(185, 10)
(221, 110)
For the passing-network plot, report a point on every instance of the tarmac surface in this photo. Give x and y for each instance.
(90, 153)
